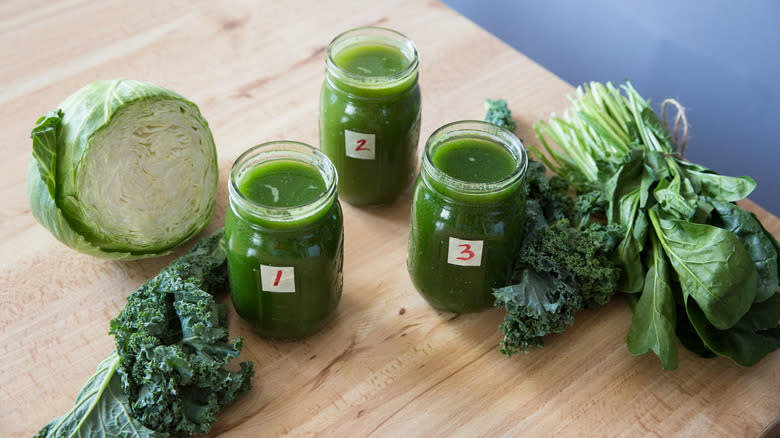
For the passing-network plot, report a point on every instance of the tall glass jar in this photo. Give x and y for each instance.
(285, 239)
(467, 214)
(370, 113)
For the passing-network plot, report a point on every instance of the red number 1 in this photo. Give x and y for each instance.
(361, 143)
(278, 277)
(467, 251)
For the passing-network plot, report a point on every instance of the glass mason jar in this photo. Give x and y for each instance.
(285, 239)
(370, 114)
(467, 214)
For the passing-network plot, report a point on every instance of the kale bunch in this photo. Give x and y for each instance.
(565, 263)
(498, 113)
(167, 376)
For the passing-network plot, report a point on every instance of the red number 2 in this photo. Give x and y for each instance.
(361, 143)
(466, 251)
(278, 277)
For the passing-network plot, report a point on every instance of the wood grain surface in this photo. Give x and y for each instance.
(388, 364)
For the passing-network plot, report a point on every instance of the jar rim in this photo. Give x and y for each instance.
(282, 150)
(372, 33)
(483, 130)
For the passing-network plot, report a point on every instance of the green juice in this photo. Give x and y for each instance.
(372, 60)
(465, 224)
(282, 184)
(474, 160)
(370, 117)
(285, 270)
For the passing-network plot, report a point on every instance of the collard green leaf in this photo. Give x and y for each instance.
(754, 336)
(752, 234)
(654, 320)
(712, 265)
(101, 410)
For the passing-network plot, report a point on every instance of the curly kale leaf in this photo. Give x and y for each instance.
(499, 114)
(551, 195)
(167, 375)
(561, 268)
(581, 258)
(536, 306)
(173, 343)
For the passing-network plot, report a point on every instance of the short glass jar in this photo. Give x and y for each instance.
(285, 239)
(370, 113)
(467, 215)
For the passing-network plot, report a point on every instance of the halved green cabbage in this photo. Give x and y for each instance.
(123, 169)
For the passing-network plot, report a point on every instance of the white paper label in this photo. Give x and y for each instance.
(277, 279)
(464, 252)
(359, 145)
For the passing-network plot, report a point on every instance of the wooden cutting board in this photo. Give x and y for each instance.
(388, 365)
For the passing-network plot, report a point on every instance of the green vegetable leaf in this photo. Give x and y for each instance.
(654, 320)
(630, 248)
(560, 268)
(712, 265)
(671, 198)
(656, 169)
(760, 247)
(653, 124)
(536, 306)
(167, 376)
(774, 243)
(44, 149)
(173, 342)
(754, 336)
(628, 179)
(559, 271)
(499, 114)
(101, 410)
(687, 335)
(714, 185)
(611, 140)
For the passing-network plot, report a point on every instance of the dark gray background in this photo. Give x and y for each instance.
(719, 59)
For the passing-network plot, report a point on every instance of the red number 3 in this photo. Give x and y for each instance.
(361, 143)
(469, 254)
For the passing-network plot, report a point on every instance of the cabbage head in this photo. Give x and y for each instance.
(123, 169)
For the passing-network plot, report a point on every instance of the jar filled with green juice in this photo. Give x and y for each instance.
(467, 215)
(370, 114)
(285, 239)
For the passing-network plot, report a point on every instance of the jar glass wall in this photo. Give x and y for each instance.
(370, 113)
(467, 215)
(285, 239)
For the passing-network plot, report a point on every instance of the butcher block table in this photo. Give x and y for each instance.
(388, 364)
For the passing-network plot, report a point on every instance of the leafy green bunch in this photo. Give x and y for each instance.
(697, 266)
(167, 377)
(564, 264)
